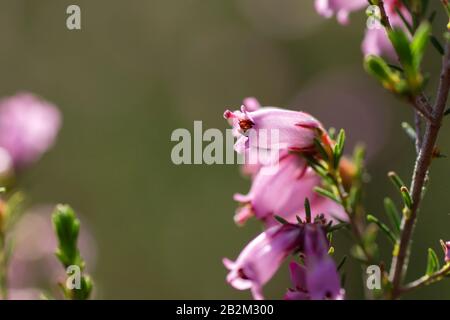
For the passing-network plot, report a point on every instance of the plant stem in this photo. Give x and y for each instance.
(426, 280)
(418, 126)
(351, 215)
(400, 259)
(384, 16)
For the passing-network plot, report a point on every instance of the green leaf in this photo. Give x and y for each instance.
(419, 43)
(410, 132)
(437, 45)
(321, 149)
(307, 211)
(341, 264)
(391, 236)
(433, 262)
(337, 226)
(401, 45)
(378, 68)
(280, 219)
(67, 227)
(406, 197)
(396, 180)
(338, 149)
(393, 214)
(432, 16)
(327, 194)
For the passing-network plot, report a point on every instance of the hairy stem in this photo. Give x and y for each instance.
(418, 126)
(426, 280)
(423, 161)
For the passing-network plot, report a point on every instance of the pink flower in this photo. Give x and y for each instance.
(262, 257)
(447, 251)
(28, 127)
(281, 190)
(272, 128)
(340, 8)
(318, 279)
(376, 41)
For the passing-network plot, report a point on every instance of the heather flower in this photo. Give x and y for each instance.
(272, 128)
(318, 279)
(24, 294)
(447, 251)
(262, 257)
(28, 127)
(340, 8)
(282, 190)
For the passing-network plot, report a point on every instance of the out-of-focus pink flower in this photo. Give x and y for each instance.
(24, 294)
(272, 128)
(447, 251)
(318, 279)
(376, 41)
(340, 8)
(251, 103)
(33, 263)
(281, 190)
(28, 127)
(262, 257)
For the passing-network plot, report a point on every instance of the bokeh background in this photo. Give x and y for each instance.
(140, 69)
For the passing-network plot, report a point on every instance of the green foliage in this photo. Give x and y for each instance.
(410, 81)
(396, 180)
(433, 265)
(338, 149)
(410, 132)
(307, 211)
(67, 228)
(389, 78)
(392, 214)
(327, 194)
(390, 235)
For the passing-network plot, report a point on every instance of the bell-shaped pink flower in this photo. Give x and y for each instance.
(28, 127)
(376, 41)
(340, 8)
(447, 251)
(281, 190)
(272, 128)
(318, 279)
(262, 257)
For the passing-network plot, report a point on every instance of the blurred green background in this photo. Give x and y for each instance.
(140, 69)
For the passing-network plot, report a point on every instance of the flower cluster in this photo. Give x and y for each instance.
(278, 192)
(307, 185)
